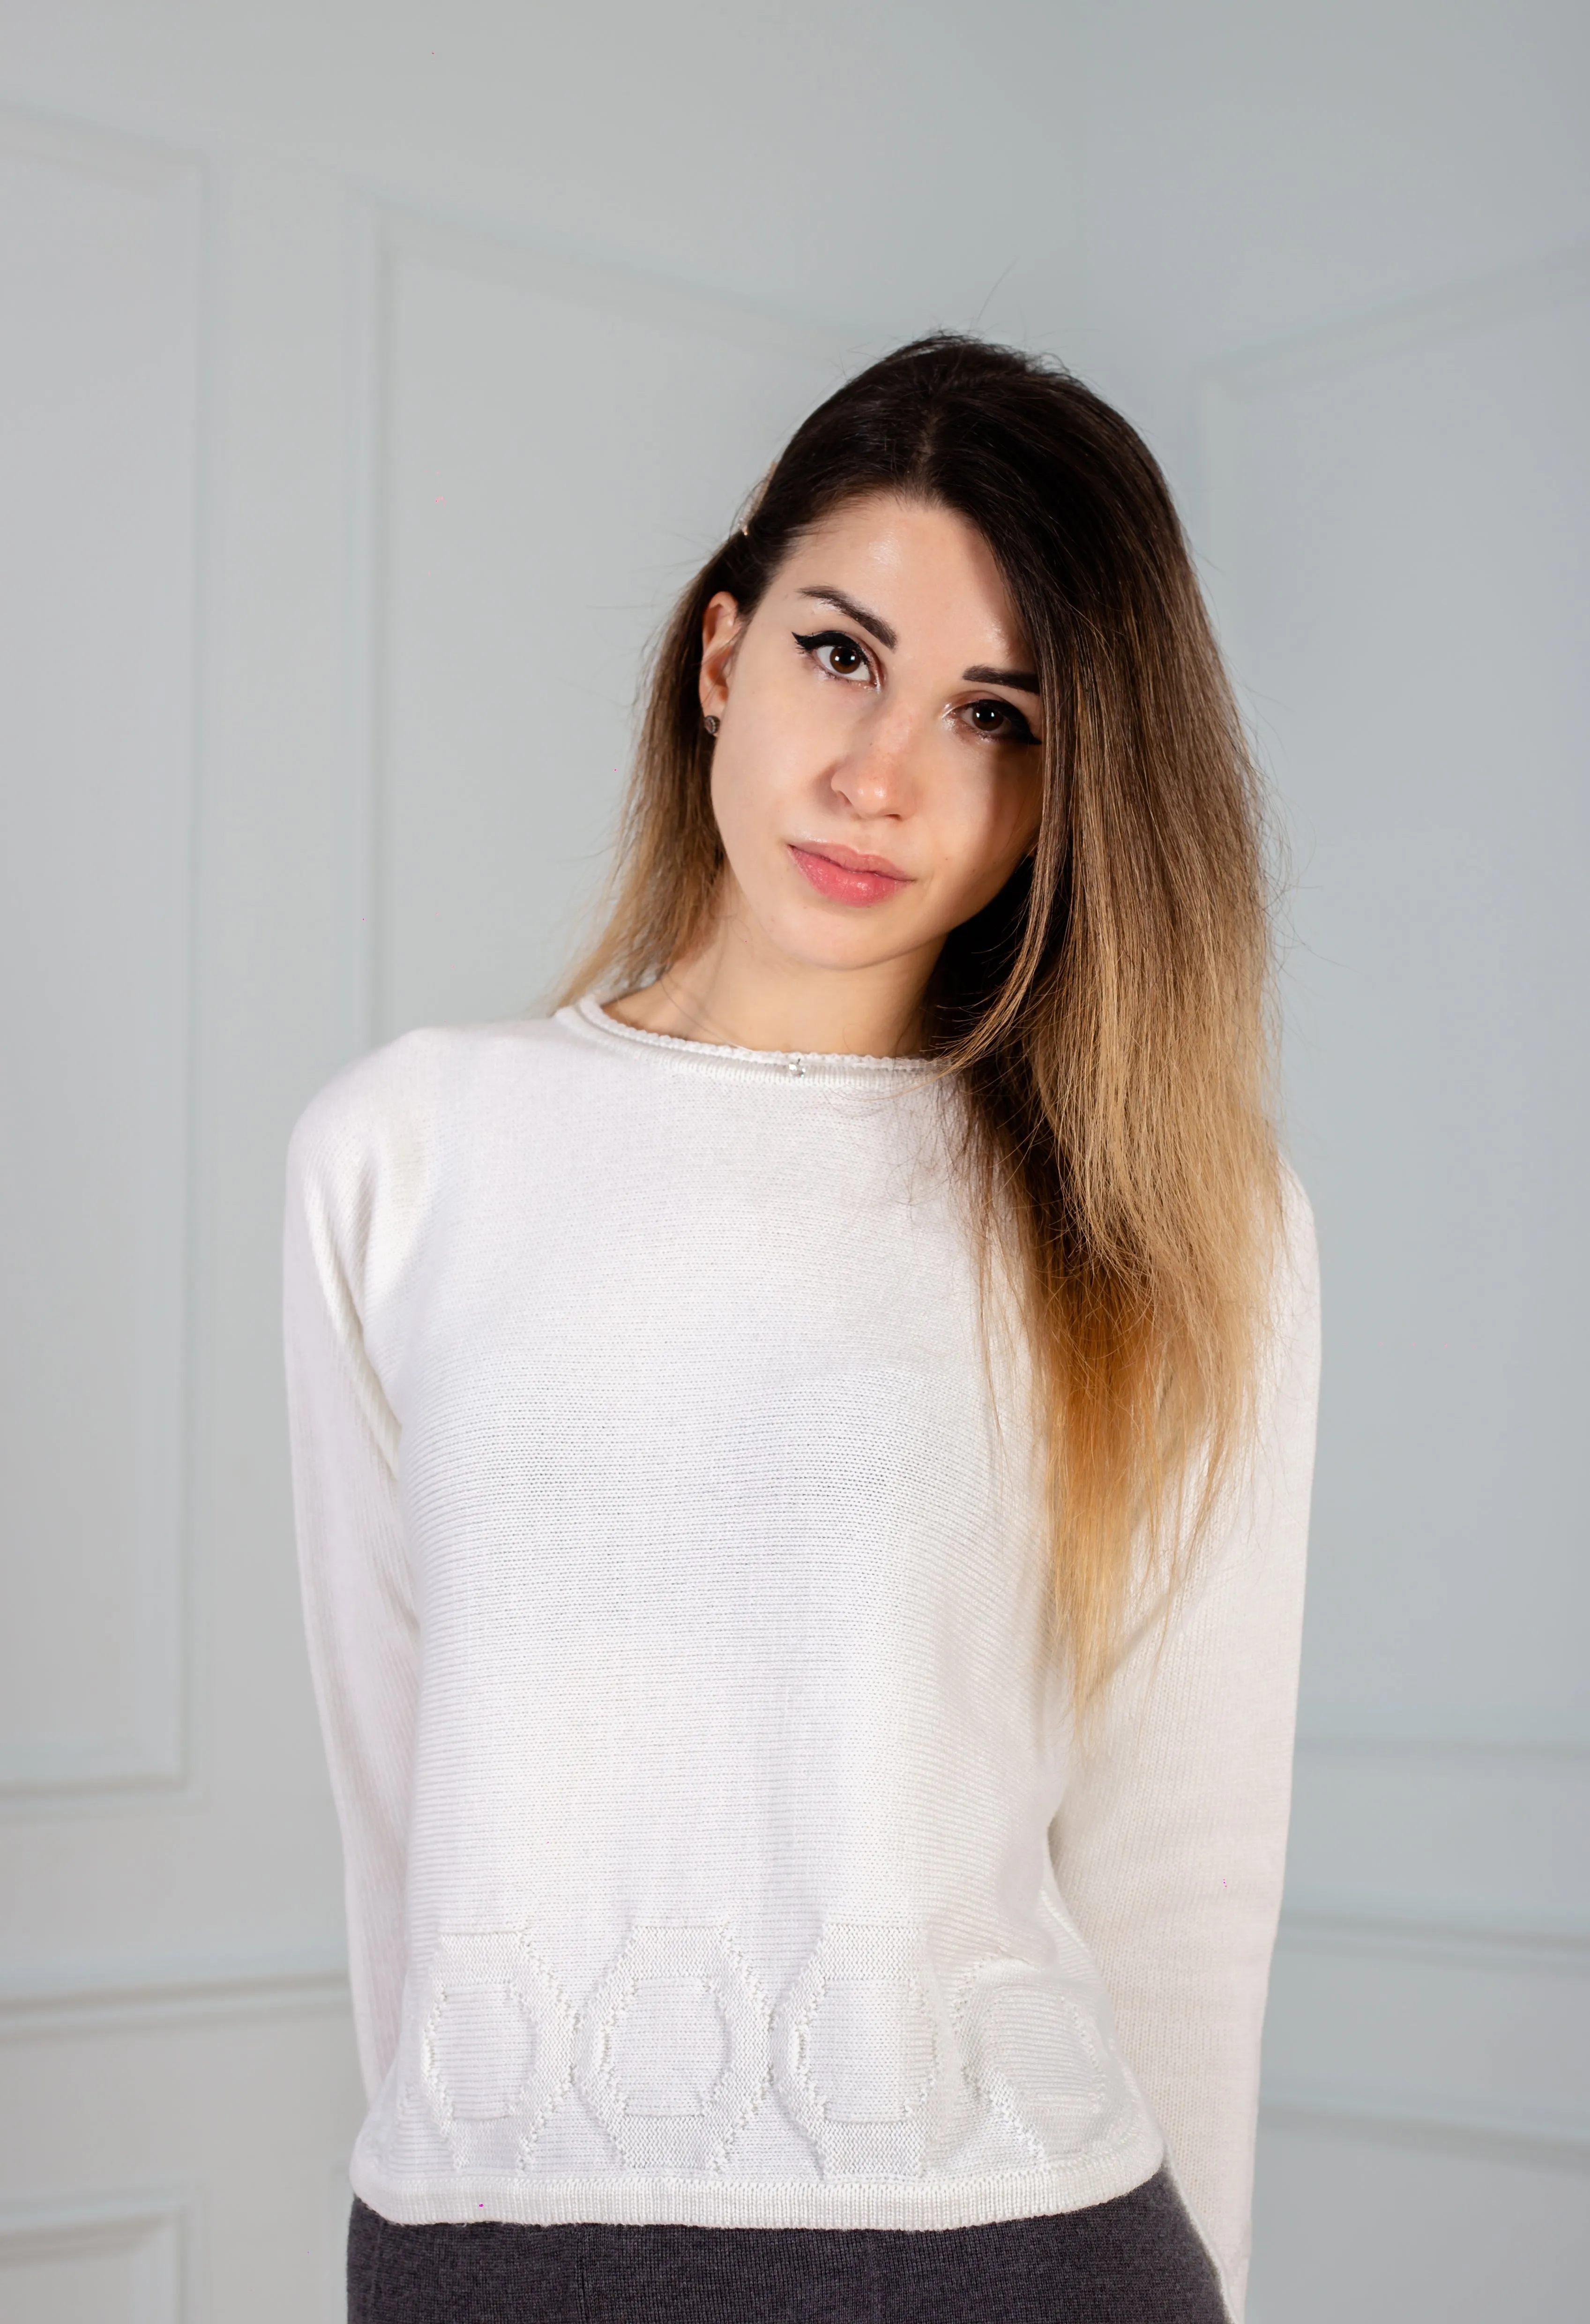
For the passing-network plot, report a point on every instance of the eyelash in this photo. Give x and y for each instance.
(1020, 731)
(820, 638)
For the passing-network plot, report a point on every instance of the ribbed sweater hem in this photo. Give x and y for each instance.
(646, 2199)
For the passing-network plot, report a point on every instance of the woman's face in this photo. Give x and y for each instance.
(876, 778)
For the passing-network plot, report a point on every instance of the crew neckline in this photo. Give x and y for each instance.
(717, 1056)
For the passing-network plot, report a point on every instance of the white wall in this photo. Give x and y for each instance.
(1338, 266)
(414, 354)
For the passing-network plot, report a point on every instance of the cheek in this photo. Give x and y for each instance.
(987, 821)
(751, 780)
(763, 764)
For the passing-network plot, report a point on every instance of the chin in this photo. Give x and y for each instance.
(823, 940)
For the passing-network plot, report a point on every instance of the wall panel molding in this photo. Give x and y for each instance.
(127, 372)
(1454, 1742)
(1347, 1744)
(386, 236)
(1411, 2119)
(1462, 1938)
(145, 2237)
(383, 235)
(601, 279)
(131, 1998)
(1414, 322)
(1222, 387)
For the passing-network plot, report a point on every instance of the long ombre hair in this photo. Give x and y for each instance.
(1108, 1016)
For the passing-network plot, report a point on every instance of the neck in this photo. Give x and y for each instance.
(736, 988)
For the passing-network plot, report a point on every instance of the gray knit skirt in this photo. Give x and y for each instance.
(1137, 2260)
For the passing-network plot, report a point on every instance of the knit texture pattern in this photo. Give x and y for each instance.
(719, 1850)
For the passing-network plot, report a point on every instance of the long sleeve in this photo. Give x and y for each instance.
(358, 1604)
(1170, 1845)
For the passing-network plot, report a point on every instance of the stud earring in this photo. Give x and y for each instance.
(711, 723)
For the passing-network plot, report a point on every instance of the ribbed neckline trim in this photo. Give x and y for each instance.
(588, 1014)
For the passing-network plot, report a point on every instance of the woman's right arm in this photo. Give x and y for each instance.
(359, 1612)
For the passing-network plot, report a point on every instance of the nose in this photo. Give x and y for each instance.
(874, 777)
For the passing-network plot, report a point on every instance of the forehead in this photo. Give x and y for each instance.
(925, 568)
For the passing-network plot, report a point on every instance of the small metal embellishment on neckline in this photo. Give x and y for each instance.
(795, 1066)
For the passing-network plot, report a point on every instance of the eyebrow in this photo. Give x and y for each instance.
(874, 622)
(1024, 681)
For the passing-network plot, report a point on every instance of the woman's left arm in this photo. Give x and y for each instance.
(1170, 1845)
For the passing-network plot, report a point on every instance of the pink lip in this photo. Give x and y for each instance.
(848, 878)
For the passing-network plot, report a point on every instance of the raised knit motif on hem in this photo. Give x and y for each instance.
(868, 2062)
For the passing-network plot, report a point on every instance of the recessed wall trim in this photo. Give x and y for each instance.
(141, 1754)
(129, 1997)
(1443, 1742)
(1462, 1938)
(386, 232)
(151, 2229)
(1409, 2119)
(1413, 322)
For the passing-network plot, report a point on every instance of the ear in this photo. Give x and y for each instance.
(720, 634)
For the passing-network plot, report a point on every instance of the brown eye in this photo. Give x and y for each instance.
(835, 653)
(1001, 720)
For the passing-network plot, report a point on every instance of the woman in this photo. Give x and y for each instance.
(802, 1455)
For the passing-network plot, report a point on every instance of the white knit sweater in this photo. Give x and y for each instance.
(717, 1849)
